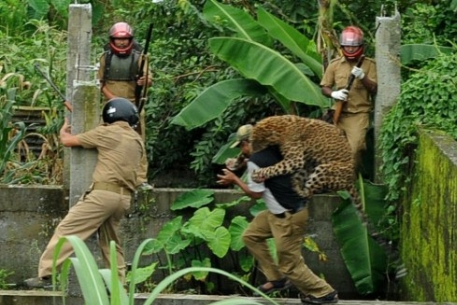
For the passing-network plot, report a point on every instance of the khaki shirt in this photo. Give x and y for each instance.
(120, 150)
(336, 77)
(125, 89)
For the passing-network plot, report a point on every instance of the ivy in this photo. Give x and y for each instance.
(428, 99)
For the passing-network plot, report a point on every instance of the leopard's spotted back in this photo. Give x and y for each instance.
(315, 152)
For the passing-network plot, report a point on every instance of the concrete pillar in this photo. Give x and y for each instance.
(389, 78)
(85, 97)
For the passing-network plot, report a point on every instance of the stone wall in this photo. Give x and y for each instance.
(28, 216)
(429, 222)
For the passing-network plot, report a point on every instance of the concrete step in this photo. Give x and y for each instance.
(41, 297)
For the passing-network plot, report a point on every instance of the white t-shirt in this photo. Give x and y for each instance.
(271, 202)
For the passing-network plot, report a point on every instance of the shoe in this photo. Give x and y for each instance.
(332, 297)
(144, 187)
(275, 286)
(38, 282)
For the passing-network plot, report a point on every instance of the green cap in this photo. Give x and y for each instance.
(243, 133)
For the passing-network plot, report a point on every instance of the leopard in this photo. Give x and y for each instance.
(316, 154)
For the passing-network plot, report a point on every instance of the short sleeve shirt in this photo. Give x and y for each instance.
(120, 149)
(336, 77)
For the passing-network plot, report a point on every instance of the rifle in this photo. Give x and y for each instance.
(340, 104)
(140, 93)
(66, 103)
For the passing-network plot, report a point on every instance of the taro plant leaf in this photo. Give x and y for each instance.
(89, 278)
(236, 229)
(201, 275)
(236, 20)
(292, 39)
(418, 52)
(258, 207)
(214, 100)
(220, 242)
(364, 258)
(205, 219)
(246, 261)
(142, 274)
(195, 199)
(268, 67)
(40, 7)
(168, 239)
(236, 202)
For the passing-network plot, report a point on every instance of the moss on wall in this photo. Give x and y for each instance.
(429, 225)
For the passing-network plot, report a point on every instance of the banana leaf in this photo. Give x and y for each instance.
(212, 102)
(268, 67)
(365, 260)
(418, 52)
(236, 20)
(292, 39)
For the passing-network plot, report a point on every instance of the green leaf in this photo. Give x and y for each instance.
(201, 275)
(195, 199)
(207, 220)
(220, 243)
(236, 20)
(292, 39)
(412, 52)
(236, 229)
(212, 102)
(268, 67)
(365, 260)
(142, 274)
(89, 279)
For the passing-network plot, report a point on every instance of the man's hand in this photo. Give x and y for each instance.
(358, 73)
(340, 95)
(227, 177)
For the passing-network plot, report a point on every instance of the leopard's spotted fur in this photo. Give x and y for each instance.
(315, 152)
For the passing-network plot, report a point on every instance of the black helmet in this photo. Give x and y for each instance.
(120, 109)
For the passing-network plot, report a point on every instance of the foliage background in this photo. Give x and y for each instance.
(35, 31)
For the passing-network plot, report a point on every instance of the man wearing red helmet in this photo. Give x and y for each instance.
(357, 103)
(118, 71)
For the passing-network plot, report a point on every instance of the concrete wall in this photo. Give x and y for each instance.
(28, 216)
(429, 222)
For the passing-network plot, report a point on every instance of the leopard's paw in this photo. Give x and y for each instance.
(258, 176)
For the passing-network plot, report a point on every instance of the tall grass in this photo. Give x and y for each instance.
(95, 283)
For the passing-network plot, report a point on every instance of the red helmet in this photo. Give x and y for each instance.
(352, 36)
(121, 30)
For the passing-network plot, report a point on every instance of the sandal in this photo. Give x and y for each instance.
(275, 286)
(332, 297)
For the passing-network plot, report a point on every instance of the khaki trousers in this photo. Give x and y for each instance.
(355, 126)
(97, 210)
(288, 234)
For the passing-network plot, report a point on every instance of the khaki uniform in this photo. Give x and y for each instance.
(285, 221)
(354, 119)
(126, 89)
(102, 207)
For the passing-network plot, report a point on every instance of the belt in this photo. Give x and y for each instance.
(283, 214)
(111, 187)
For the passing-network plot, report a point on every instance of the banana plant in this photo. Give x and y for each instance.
(365, 259)
(264, 70)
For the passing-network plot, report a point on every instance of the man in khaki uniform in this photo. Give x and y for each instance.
(357, 103)
(118, 71)
(284, 220)
(102, 207)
